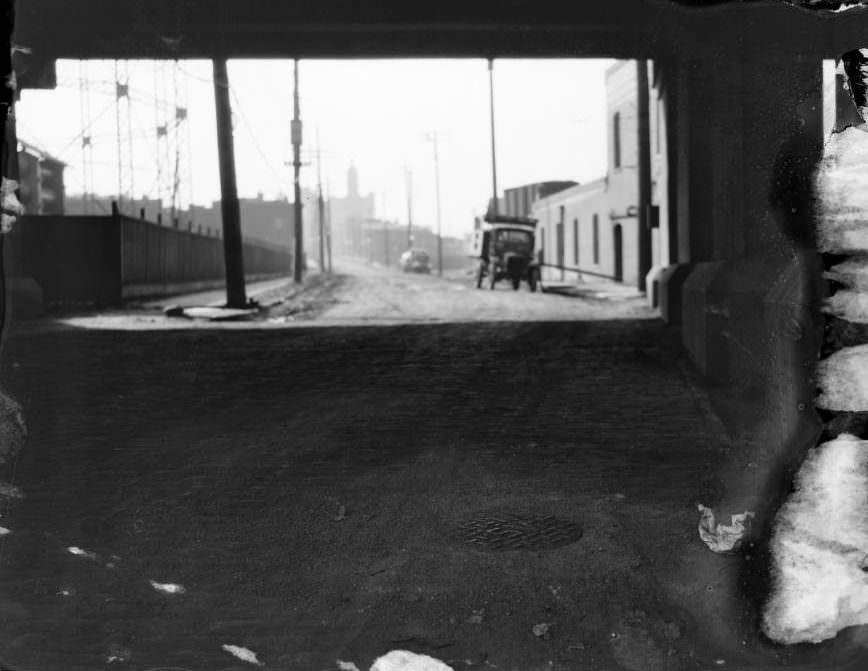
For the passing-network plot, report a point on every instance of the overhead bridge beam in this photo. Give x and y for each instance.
(133, 29)
(329, 41)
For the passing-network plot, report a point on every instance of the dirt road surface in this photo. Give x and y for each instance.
(375, 295)
(494, 478)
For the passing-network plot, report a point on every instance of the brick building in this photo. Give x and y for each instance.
(40, 180)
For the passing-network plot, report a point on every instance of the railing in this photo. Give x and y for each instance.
(579, 270)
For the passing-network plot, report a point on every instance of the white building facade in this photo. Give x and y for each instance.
(593, 229)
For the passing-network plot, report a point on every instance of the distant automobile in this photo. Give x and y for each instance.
(415, 261)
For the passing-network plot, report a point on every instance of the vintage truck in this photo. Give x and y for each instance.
(504, 247)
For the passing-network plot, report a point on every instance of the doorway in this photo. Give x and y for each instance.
(617, 246)
(560, 247)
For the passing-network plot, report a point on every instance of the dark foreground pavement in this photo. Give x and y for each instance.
(306, 487)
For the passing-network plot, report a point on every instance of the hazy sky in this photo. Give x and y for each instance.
(375, 113)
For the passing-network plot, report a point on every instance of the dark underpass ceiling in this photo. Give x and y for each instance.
(52, 29)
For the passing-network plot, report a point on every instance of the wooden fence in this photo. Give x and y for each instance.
(101, 260)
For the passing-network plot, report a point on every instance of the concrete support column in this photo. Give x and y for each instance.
(689, 115)
(783, 130)
(693, 147)
(728, 142)
(750, 308)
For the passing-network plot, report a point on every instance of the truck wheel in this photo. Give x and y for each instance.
(479, 275)
(516, 283)
(532, 281)
(493, 279)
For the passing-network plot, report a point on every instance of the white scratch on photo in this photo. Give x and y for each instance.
(167, 587)
(78, 552)
(244, 654)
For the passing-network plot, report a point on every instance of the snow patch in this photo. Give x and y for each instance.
(347, 666)
(820, 547)
(849, 305)
(167, 587)
(843, 378)
(402, 660)
(4, 531)
(853, 273)
(11, 206)
(842, 196)
(13, 430)
(848, 7)
(8, 491)
(244, 654)
(851, 302)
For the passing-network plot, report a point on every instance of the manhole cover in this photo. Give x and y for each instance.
(509, 531)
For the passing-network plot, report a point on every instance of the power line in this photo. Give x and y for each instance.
(86, 148)
(278, 178)
(256, 144)
(80, 135)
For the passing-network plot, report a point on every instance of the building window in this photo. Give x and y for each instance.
(576, 242)
(616, 139)
(596, 239)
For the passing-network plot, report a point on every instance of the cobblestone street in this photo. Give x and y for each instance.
(307, 488)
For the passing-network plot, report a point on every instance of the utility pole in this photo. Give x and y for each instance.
(118, 95)
(328, 213)
(493, 144)
(433, 137)
(298, 263)
(386, 242)
(329, 233)
(409, 176)
(385, 231)
(233, 250)
(321, 212)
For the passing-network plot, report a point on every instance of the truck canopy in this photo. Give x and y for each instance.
(509, 219)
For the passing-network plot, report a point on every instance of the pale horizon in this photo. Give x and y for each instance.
(376, 114)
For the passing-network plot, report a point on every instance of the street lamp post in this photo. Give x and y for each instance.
(409, 177)
(493, 152)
